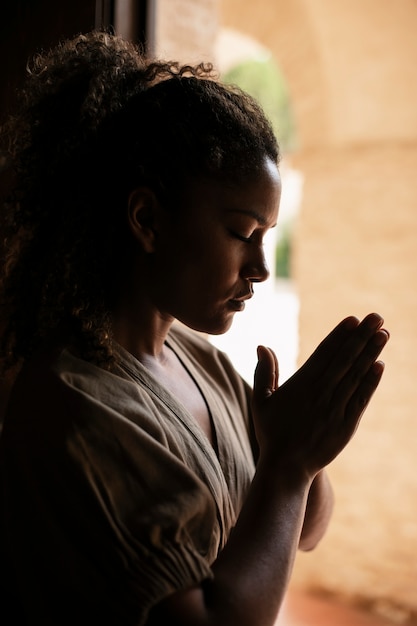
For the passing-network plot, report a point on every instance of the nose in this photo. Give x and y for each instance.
(256, 269)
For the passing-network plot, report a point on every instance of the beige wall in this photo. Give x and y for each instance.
(356, 253)
(351, 67)
(186, 30)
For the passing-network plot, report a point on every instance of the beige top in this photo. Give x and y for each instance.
(112, 496)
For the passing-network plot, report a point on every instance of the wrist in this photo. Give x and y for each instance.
(285, 472)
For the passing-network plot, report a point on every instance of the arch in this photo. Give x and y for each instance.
(286, 30)
(350, 65)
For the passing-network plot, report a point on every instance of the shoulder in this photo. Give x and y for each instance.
(59, 393)
(57, 375)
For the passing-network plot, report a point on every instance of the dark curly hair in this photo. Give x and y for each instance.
(96, 120)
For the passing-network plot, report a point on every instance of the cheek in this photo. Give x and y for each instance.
(208, 273)
(201, 257)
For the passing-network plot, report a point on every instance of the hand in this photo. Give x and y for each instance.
(304, 424)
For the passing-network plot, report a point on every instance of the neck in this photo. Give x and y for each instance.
(143, 332)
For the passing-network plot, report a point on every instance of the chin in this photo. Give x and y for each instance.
(210, 327)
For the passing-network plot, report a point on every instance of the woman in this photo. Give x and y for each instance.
(141, 480)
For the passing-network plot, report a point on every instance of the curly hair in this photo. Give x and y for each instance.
(96, 120)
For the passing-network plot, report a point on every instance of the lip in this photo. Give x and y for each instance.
(243, 297)
(238, 304)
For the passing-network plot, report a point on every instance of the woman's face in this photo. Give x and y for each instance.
(210, 253)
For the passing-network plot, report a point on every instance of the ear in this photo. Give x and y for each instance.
(143, 217)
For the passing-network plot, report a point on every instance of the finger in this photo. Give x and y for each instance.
(340, 348)
(276, 369)
(265, 374)
(349, 350)
(363, 394)
(360, 368)
(318, 362)
(360, 342)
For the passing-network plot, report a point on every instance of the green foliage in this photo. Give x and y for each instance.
(264, 81)
(283, 254)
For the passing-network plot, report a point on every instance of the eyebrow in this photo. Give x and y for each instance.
(256, 216)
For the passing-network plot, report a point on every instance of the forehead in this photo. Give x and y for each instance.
(257, 193)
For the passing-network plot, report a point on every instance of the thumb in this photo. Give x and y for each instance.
(266, 374)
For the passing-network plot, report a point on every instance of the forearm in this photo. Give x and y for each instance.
(258, 559)
(318, 511)
(252, 572)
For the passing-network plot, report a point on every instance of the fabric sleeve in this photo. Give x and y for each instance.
(102, 519)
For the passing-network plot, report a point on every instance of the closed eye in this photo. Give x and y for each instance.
(240, 237)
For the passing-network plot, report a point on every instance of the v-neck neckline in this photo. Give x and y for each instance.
(194, 375)
(140, 372)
